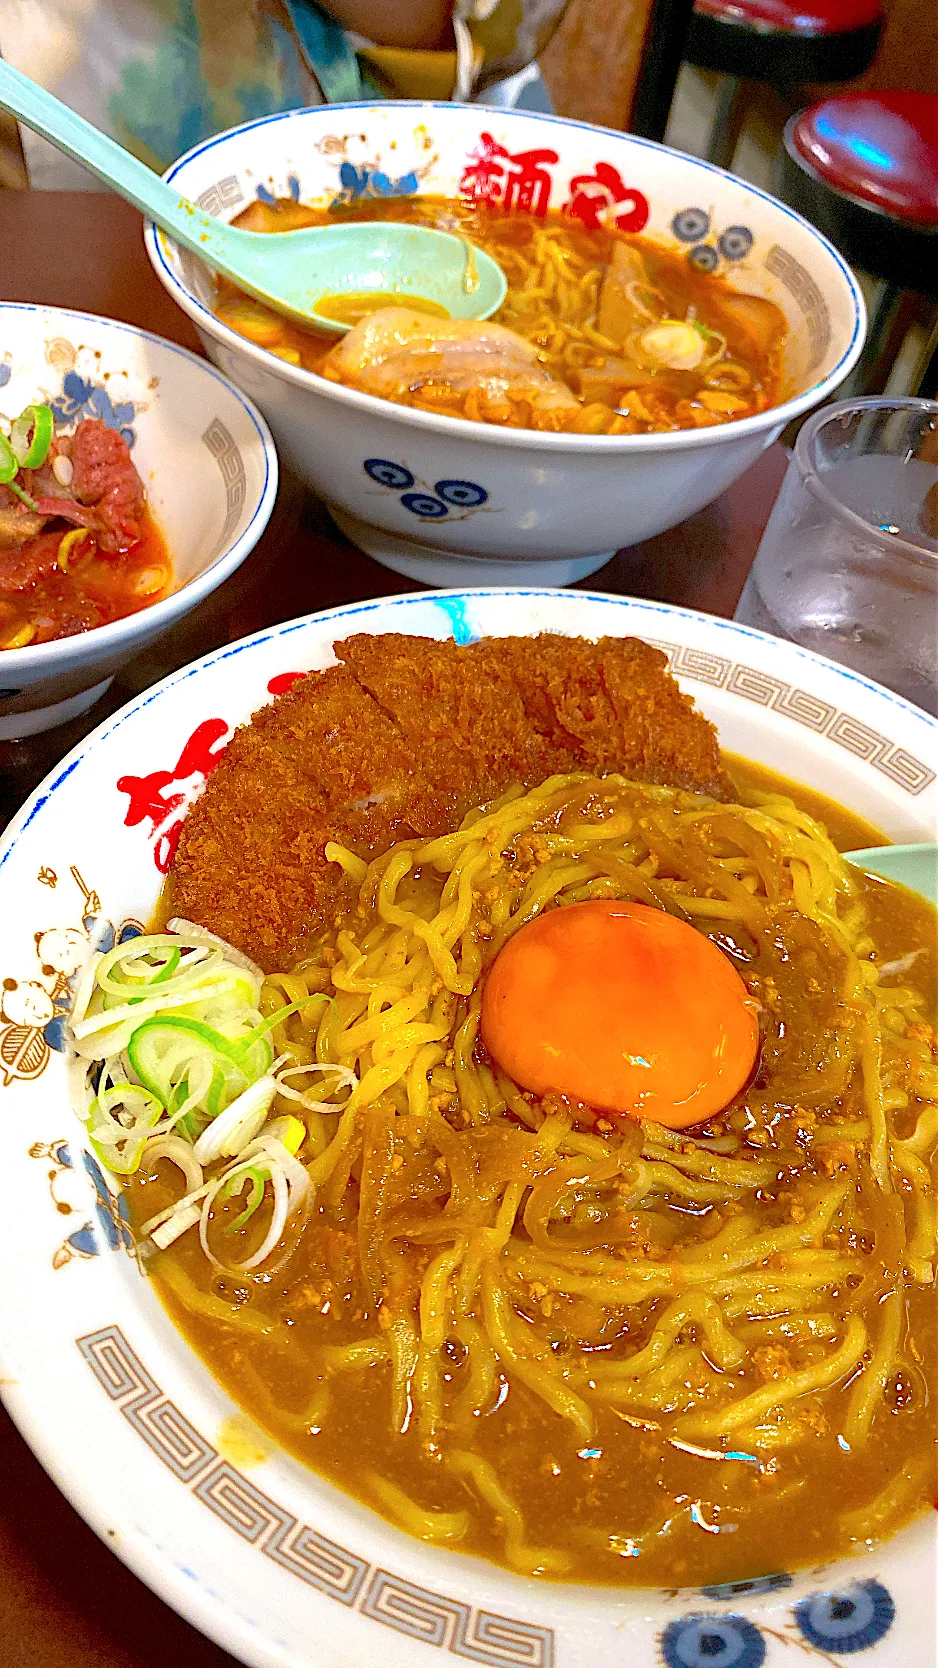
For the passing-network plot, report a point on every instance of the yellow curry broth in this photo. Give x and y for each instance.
(636, 1504)
(621, 1509)
(848, 831)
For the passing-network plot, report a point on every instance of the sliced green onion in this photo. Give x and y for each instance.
(674, 344)
(31, 436)
(124, 979)
(166, 1039)
(119, 1122)
(175, 1225)
(169, 976)
(288, 1130)
(9, 462)
(290, 1184)
(186, 1072)
(105, 1032)
(193, 933)
(120, 1097)
(229, 1133)
(23, 497)
(141, 961)
(122, 1160)
(260, 1031)
(258, 1059)
(236, 1187)
(123, 1110)
(216, 1089)
(196, 1096)
(169, 967)
(177, 1152)
(344, 1078)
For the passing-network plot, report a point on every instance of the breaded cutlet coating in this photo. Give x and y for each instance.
(613, 705)
(399, 741)
(661, 736)
(321, 762)
(459, 710)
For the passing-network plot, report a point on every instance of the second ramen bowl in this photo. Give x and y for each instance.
(450, 501)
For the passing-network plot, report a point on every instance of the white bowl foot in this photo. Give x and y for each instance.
(19, 724)
(446, 568)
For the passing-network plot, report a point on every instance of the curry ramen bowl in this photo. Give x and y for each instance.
(548, 1516)
(135, 480)
(664, 321)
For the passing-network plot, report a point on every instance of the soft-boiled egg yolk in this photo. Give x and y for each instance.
(624, 1008)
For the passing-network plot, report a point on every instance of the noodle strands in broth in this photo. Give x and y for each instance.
(517, 1322)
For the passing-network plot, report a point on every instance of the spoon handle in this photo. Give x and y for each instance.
(70, 133)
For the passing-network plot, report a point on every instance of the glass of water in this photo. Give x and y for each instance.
(847, 564)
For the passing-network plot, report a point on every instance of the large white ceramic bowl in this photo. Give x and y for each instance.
(453, 502)
(270, 1560)
(205, 456)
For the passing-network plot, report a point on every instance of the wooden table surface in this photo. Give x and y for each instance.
(65, 1601)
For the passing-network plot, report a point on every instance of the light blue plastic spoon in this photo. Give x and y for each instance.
(910, 866)
(289, 271)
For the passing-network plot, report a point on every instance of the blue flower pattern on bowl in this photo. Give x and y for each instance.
(464, 495)
(704, 258)
(424, 505)
(448, 497)
(110, 1209)
(81, 397)
(846, 1620)
(388, 474)
(112, 1229)
(735, 243)
(712, 1642)
(692, 226)
(835, 1624)
(372, 182)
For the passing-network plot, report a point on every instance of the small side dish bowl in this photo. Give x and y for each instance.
(203, 452)
(454, 502)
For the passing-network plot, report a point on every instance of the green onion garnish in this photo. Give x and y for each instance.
(31, 436)
(9, 462)
(235, 1187)
(171, 1060)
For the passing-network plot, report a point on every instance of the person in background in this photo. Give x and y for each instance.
(159, 75)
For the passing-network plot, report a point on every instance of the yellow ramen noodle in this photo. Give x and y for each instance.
(587, 1347)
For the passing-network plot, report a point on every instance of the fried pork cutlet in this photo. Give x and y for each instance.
(321, 762)
(399, 741)
(611, 705)
(461, 711)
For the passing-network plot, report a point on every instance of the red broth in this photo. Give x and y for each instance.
(78, 544)
(590, 302)
(94, 588)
